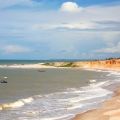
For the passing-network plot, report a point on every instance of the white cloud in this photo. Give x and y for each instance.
(114, 49)
(12, 49)
(111, 39)
(70, 7)
(79, 26)
(86, 25)
(38, 27)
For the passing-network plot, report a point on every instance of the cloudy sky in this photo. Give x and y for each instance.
(59, 29)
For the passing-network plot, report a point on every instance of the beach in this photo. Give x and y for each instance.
(59, 60)
(109, 110)
(58, 90)
(26, 66)
(113, 64)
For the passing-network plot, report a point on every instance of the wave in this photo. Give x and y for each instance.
(117, 74)
(60, 105)
(65, 117)
(16, 104)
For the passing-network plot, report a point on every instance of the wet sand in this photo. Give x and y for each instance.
(110, 110)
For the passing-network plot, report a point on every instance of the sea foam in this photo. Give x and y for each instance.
(61, 105)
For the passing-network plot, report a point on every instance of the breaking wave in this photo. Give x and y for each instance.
(59, 105)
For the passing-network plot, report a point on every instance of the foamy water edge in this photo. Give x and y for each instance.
(72, 103)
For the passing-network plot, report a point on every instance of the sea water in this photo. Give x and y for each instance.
(52, 94)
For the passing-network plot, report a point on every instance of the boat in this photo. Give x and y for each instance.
(3, 81)
(41, 70)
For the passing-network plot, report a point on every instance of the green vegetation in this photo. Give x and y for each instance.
(112, 58)
(69, 64)
(49, 64)
(63, 64)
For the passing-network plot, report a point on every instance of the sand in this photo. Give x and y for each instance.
(26, 66)
(110, 110)
(113, 64)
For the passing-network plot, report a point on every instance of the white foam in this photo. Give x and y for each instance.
(60, 105)
(75, 106)
(114, 73)
(88, 94)
(63, 105)
(1, 108)
(16, 104)
(92, 81)
(13, 105)
(65, 117)
(27, 100)
(100, 84)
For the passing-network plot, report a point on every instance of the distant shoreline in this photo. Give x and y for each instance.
(113, 64)
(110, 65)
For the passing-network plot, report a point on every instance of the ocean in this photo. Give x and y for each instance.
(9, 62)
(52, 93)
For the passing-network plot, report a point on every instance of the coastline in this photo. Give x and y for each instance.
(109, 110)
(113, 65)
(26, 66)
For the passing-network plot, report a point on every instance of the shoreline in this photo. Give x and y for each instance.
(109, 110)
(113, 64)
(26, 66)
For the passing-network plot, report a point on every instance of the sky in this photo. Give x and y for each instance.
(59, 29)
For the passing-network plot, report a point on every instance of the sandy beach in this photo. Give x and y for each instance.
(113, 64)
(110, 109)
(26, 66)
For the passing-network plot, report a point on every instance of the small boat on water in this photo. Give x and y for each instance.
(41, 70)
(3, 81)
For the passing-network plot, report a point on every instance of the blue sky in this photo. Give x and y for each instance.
(59, 29)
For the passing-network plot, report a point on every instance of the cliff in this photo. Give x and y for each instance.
(113, 64)
(105, 64)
